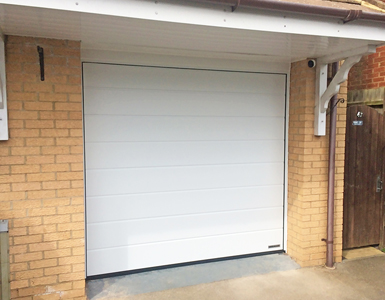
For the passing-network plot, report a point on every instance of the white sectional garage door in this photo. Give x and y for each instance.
(182, 165)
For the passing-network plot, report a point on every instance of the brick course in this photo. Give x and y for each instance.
(308, 173)
(369, 73)
(41, 181)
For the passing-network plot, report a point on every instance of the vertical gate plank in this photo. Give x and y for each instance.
(347, 195)
(363, 163)
(360, 180)
(372, 218)
(350, 161)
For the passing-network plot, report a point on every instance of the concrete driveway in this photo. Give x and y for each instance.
(352, 279)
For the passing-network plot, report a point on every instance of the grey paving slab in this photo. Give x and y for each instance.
(361, 279)
(160, 280)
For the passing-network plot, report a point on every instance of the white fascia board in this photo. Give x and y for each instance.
(3, 94)
(218, 16)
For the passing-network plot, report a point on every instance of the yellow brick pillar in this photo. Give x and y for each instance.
(41, 170)
(307, 173)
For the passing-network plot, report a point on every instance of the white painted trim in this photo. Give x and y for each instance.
(182, 60)
(320, 88)
(323, 92)
(286, 185)
(3, 93)
(84, 179)
(340, 77)
(218, 16)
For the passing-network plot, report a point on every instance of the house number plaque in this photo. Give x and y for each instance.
(358, 123)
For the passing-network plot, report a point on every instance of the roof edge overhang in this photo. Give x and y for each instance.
(269, 16)
(194, 27)
(346, 15)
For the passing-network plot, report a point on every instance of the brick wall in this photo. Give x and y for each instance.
(308, 173)
(369, 73)
(41, 170)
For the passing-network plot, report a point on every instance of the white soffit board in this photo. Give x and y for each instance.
(187, 12)
(136, 25)
(181, 165)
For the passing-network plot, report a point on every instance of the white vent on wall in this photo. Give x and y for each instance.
(3, 94)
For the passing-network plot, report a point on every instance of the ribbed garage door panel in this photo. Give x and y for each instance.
(181, 165)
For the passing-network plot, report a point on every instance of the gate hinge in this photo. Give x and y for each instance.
(379, 184)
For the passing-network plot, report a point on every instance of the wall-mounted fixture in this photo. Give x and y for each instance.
(3, 94)
(40, 50)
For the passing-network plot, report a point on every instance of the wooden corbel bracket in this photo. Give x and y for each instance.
(323, 92)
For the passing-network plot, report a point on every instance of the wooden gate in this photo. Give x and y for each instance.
(364, 173)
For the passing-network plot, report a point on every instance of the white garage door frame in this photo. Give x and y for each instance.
(204, 64)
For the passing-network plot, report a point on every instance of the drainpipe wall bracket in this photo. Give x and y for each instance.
(324, 93)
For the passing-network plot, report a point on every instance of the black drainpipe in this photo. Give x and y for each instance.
(331, 178)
